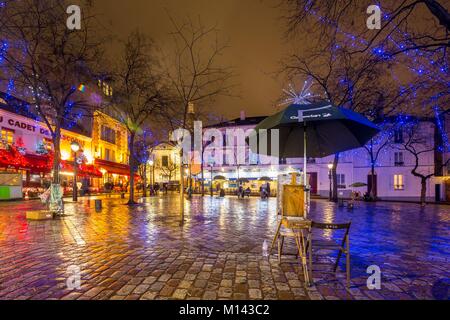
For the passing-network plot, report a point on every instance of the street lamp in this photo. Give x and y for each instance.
(205, 145)
(330, 169)
(75, 148)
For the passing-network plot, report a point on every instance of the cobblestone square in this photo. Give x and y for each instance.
(143, 253)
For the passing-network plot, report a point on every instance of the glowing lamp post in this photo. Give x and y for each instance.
(330, 170)
(75, 148)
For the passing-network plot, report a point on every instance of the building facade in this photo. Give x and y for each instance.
(393, 178)
(26, 147)
(110, 149)
(164, 164)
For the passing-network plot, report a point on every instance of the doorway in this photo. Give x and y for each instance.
(437, 192)
(313, 182)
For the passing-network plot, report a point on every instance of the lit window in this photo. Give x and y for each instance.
(107, 154)
(7, 135)
(107, 89)
(399, 182)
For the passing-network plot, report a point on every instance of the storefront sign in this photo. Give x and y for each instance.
(73, 139)
(17, 124)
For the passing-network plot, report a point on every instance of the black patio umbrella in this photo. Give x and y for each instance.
(314, 130)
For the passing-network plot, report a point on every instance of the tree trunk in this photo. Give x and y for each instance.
(56, 204)
(373, 191)
(423, 192)
(334, 176)
(131, 163)
(439, 12)
(57, 156)
(181, 187)
(144, 189)
(190, 181)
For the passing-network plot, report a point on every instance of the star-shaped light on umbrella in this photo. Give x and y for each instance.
(302, 97)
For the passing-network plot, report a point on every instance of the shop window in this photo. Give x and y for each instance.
(399, 180)
(7, 135)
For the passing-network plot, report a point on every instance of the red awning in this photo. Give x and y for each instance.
(11, 158)
(44, 163)
(86, 170)
(39, 163)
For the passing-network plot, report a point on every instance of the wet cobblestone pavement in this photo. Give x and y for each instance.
(143, 253)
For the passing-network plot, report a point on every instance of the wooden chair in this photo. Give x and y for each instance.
(343, 247)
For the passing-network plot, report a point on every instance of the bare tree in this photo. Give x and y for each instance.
(139, 93)
(374, 149)
(418, 24)
(168, 170)
(196, 73)
(358, 73)
(356, 82)
(44, 63)
(418, 144)
(412, 44)
(144, 146)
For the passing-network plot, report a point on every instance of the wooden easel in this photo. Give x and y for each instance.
(293, 221)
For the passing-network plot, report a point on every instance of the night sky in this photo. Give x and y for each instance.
(254, 30)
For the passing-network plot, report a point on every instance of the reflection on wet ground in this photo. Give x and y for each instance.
(143, 253)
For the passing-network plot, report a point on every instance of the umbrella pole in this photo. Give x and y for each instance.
(304, 168)
(304, 153)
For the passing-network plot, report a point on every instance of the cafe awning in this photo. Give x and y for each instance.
(86, 170)
(38, 163)
(113, 167)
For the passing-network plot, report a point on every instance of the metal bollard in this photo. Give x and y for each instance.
(98, 205)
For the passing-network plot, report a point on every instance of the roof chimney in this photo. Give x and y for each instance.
(242, 115)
